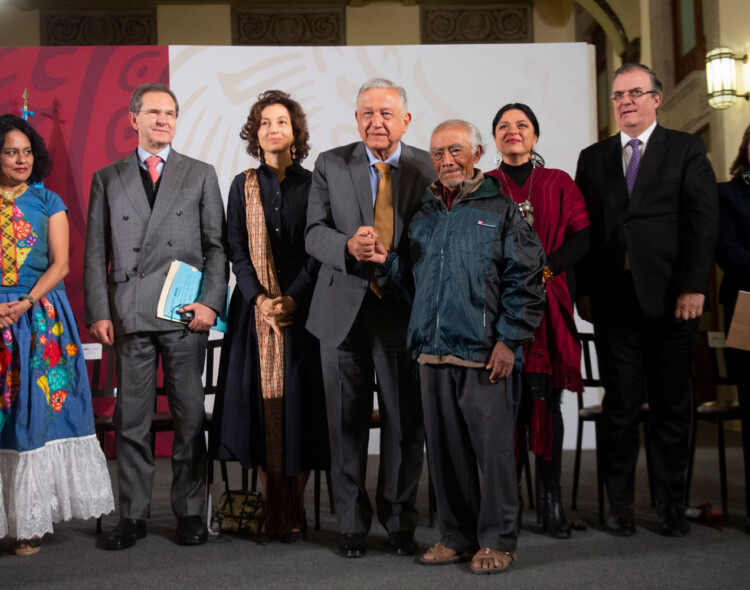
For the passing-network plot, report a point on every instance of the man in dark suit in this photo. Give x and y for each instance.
(362, 198)
(145, 211)
(652, 201)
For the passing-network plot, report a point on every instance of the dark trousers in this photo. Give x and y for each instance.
(738, 369)
(643, 358)
(469, 423)
(376, 345)
(183, 355)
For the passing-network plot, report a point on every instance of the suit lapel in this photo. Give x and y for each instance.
(359, 168)
(132, 184)
(169, 189)
(613, 165)
(650, 164)
(403, 191)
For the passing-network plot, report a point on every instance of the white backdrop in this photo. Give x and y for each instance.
(217, 85)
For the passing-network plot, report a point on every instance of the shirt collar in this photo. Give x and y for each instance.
(644, 137)
(393, 160)
(143, 154)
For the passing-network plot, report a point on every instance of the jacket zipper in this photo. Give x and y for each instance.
(440, 278)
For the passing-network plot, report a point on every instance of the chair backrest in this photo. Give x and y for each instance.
(102, 365)
(590, 379)
(708, 368)
(213, 354)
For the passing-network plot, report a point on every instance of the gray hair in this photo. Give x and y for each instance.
(136, 99)
(656, 84)
(382, 83)
(475, 137)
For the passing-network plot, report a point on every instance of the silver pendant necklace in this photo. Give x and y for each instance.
(526, 209)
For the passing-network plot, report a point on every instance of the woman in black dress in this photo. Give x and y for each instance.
(270, 409)
(733, 256)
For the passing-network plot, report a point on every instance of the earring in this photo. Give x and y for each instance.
(294, 153)
(536, 159)
(498, 159)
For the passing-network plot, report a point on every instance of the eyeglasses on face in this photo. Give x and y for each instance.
(635, 94)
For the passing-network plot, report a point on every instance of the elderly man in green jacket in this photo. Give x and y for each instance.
(477, 270)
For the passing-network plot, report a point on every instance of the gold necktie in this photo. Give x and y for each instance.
(383, 213)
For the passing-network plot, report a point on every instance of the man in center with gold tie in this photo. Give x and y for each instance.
(362, 199)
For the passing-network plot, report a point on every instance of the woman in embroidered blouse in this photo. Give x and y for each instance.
(551, 202)
(51, 465)
(270, 410)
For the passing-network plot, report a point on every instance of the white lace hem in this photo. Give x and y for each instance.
(64, 479)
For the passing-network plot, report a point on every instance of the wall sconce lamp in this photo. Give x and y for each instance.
(721, 77)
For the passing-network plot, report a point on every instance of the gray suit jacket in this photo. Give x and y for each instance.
(129, 247)
(341, 201)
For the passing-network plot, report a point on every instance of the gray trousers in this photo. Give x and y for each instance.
(469, 424)
(376, 344)
(183, 355)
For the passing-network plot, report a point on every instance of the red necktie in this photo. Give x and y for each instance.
(151, 162)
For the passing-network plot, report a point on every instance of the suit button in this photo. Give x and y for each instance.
(143, 275)
(364, 287)
(170, 243)
(125, 217)
(179, 213)
(136, 249)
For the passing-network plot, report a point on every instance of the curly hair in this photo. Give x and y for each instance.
(249, 131)
(742, 162)
(42, 162)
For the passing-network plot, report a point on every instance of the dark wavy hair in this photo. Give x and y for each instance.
(742, 162)
(526, 110)
(42, 162)
(299, 124)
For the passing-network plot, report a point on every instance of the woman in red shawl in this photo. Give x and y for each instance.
(552, 204)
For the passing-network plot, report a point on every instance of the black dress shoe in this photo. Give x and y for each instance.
(621, 521)
(553, 516)
(672, 521)
(191, 531)
(402, 543)
(125, 534)
(352, 545)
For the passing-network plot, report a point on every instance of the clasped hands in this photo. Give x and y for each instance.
(365, 246)
(11, 311)
(276, 311)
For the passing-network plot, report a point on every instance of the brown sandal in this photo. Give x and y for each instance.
(26, 547)
(489, 556)
(439, 556)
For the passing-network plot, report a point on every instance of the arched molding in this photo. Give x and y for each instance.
(628, 49)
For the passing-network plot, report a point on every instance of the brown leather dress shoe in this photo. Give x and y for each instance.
(621, 521)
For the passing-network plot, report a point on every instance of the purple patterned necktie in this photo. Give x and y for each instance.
(635, 161)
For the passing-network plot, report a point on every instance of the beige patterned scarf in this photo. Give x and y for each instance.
(270, 346)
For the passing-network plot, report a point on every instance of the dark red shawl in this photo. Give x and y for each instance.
(559, 211)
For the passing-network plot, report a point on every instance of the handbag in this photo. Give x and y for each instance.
(240, 512)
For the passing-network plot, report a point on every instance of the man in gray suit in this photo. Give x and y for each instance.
(362, 198)
(145, 211)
